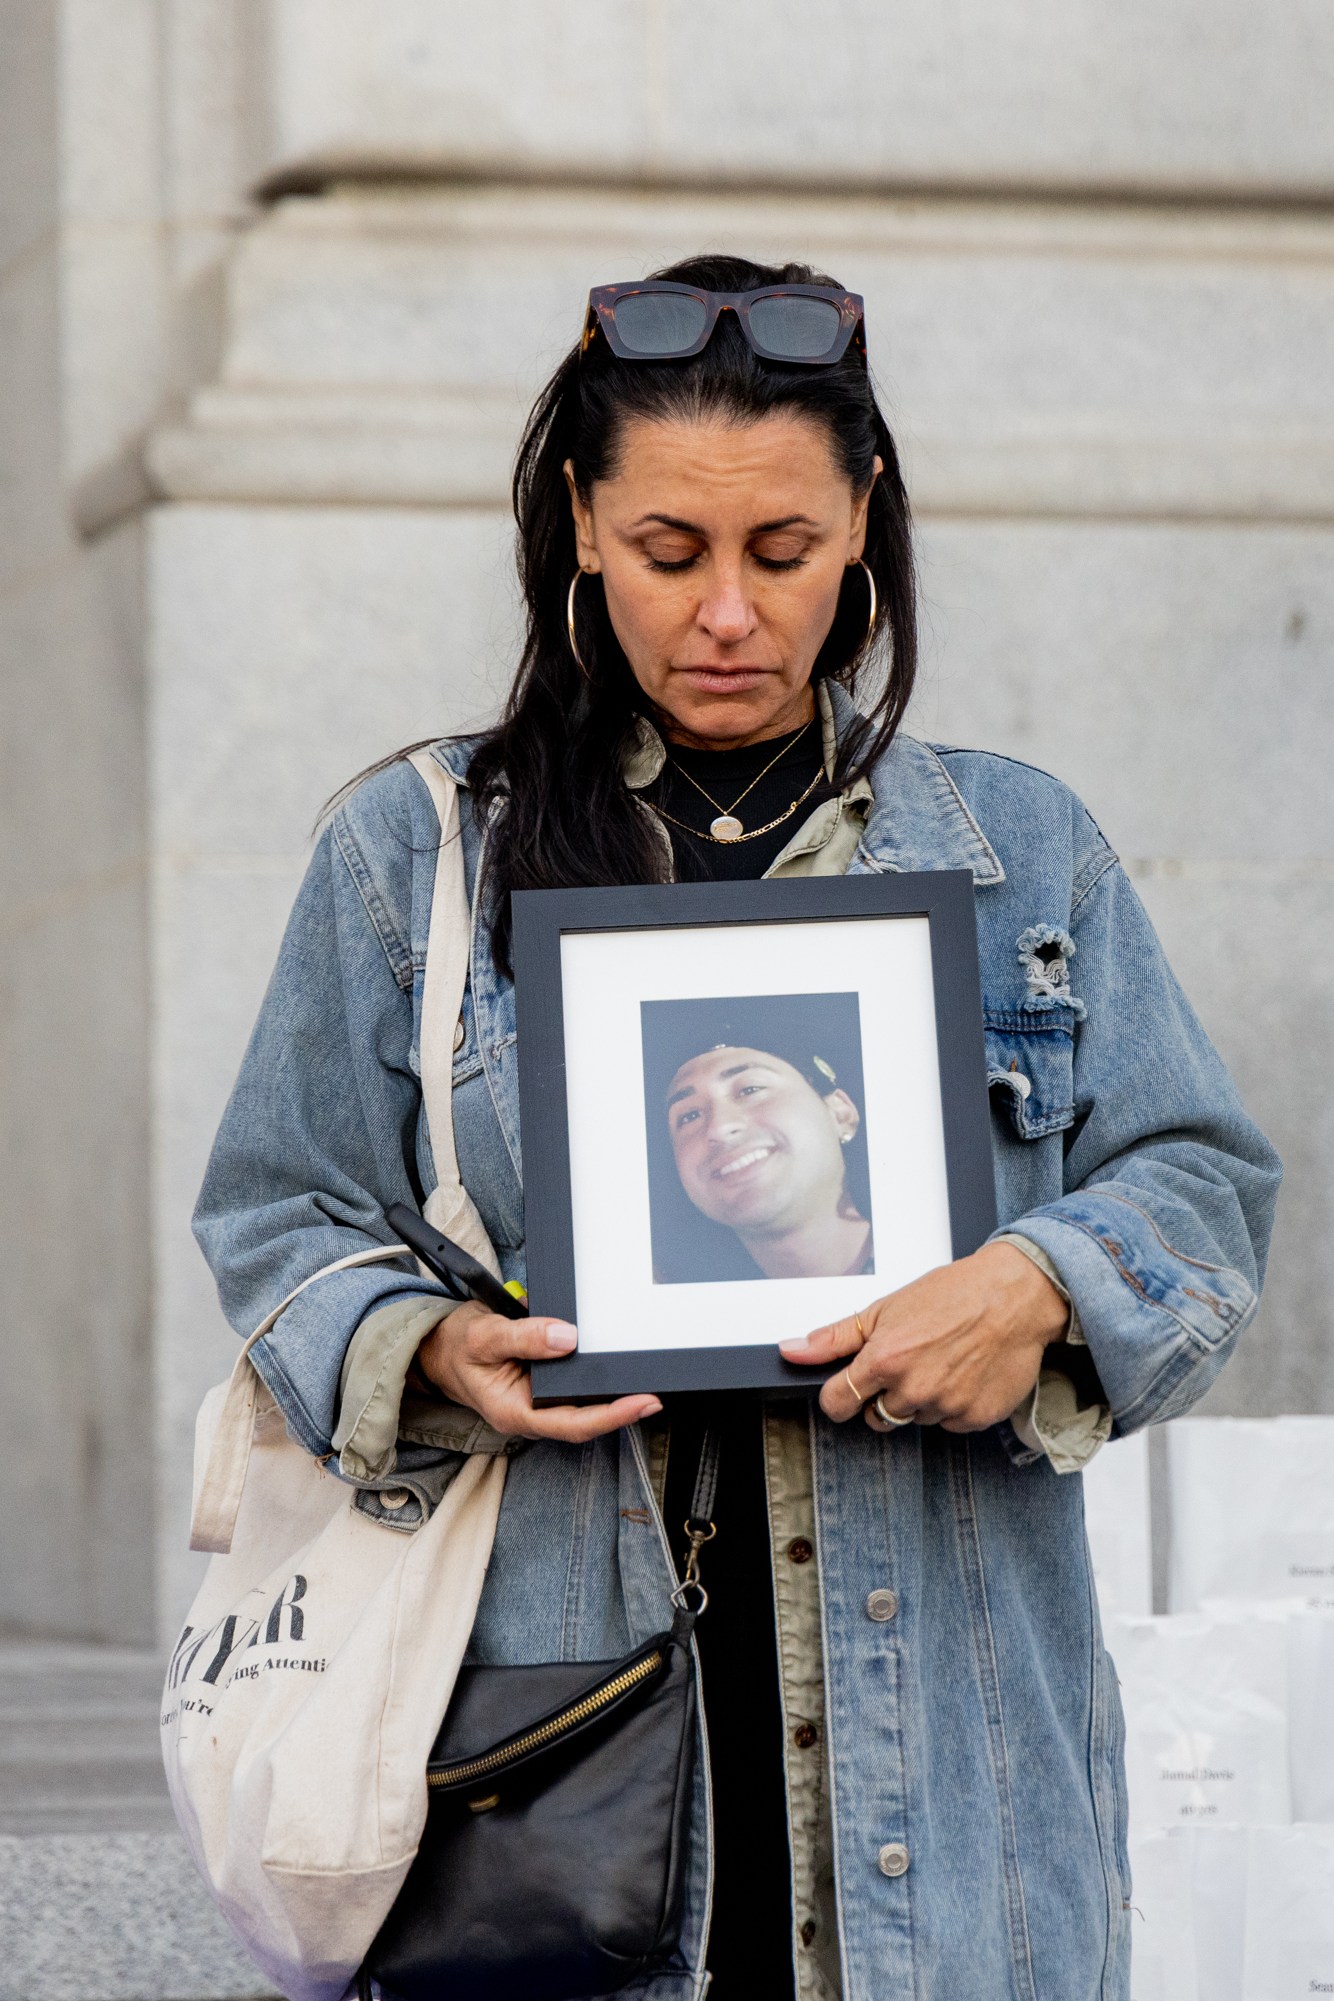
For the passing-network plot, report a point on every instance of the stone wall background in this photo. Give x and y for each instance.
(254, 439)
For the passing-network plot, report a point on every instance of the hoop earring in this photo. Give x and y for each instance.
(862, 564)
(569, 626)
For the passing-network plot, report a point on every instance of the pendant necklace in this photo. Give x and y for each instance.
(726, 827)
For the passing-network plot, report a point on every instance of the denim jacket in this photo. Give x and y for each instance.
(974, 1736)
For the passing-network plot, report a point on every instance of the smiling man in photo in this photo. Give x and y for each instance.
(758, 1166)
(760, 1150)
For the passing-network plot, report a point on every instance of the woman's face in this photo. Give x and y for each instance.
(722, 547)
(757, 1148)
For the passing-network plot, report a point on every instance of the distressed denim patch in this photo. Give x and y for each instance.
(1045, 953)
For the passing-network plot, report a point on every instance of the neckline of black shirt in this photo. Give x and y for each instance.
(724, 774)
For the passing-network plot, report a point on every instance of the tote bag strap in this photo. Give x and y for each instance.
(449, 1207)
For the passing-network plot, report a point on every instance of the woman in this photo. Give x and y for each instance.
(915, 1739)
(757, 1178)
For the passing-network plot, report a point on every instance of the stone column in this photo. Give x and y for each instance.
(301, 272)
(77, 1474)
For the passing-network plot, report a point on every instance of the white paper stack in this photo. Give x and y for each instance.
(1206, 1702)
(1162, 1964)
(1229, 1708)
(1252, 1509)
(1218, 1899)
(1311, 1714)
(1116, 1515)
(1289, 1914)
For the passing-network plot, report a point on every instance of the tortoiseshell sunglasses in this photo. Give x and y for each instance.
(659, 321)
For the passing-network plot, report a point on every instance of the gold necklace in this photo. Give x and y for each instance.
(727, 827)
(726, 840)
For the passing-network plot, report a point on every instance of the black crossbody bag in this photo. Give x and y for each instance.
(553, 1861)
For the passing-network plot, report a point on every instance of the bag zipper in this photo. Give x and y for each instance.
(546, 1733)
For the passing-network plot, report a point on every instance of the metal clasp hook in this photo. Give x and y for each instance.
(699, 1533)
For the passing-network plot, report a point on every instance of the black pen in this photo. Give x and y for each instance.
(462, 1276)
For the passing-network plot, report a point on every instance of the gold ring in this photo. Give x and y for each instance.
(887, 1416)
(853, 1387)
(860, 1329)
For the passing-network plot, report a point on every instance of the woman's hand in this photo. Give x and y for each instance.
(480, 1359)
(960, 1347)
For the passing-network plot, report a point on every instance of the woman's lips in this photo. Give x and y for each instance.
(725, 680)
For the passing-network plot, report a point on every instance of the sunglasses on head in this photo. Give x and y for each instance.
(661, 321)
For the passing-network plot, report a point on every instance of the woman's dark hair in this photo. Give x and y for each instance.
(548, 775)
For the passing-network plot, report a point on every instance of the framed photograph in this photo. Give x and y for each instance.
(748, 1108)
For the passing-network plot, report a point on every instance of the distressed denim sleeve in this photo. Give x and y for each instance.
(318, 1138)
(1161, 1235)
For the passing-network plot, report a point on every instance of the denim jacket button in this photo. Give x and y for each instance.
(394, 1497)
(882, 1605)
(893, 1859)
(458, 1036)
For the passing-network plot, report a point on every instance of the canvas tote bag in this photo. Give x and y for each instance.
(320, 1654)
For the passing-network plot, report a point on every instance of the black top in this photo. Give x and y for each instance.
(750, 1939)
(725, 776)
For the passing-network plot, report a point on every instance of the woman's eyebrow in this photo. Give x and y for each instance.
(666, 521)
(693, 528)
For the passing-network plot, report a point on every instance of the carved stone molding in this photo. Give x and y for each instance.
(382, 348)
(1200, 98)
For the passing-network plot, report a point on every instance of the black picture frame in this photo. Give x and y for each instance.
(543, 917)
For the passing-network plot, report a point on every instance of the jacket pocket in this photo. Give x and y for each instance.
(1031, 1067)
